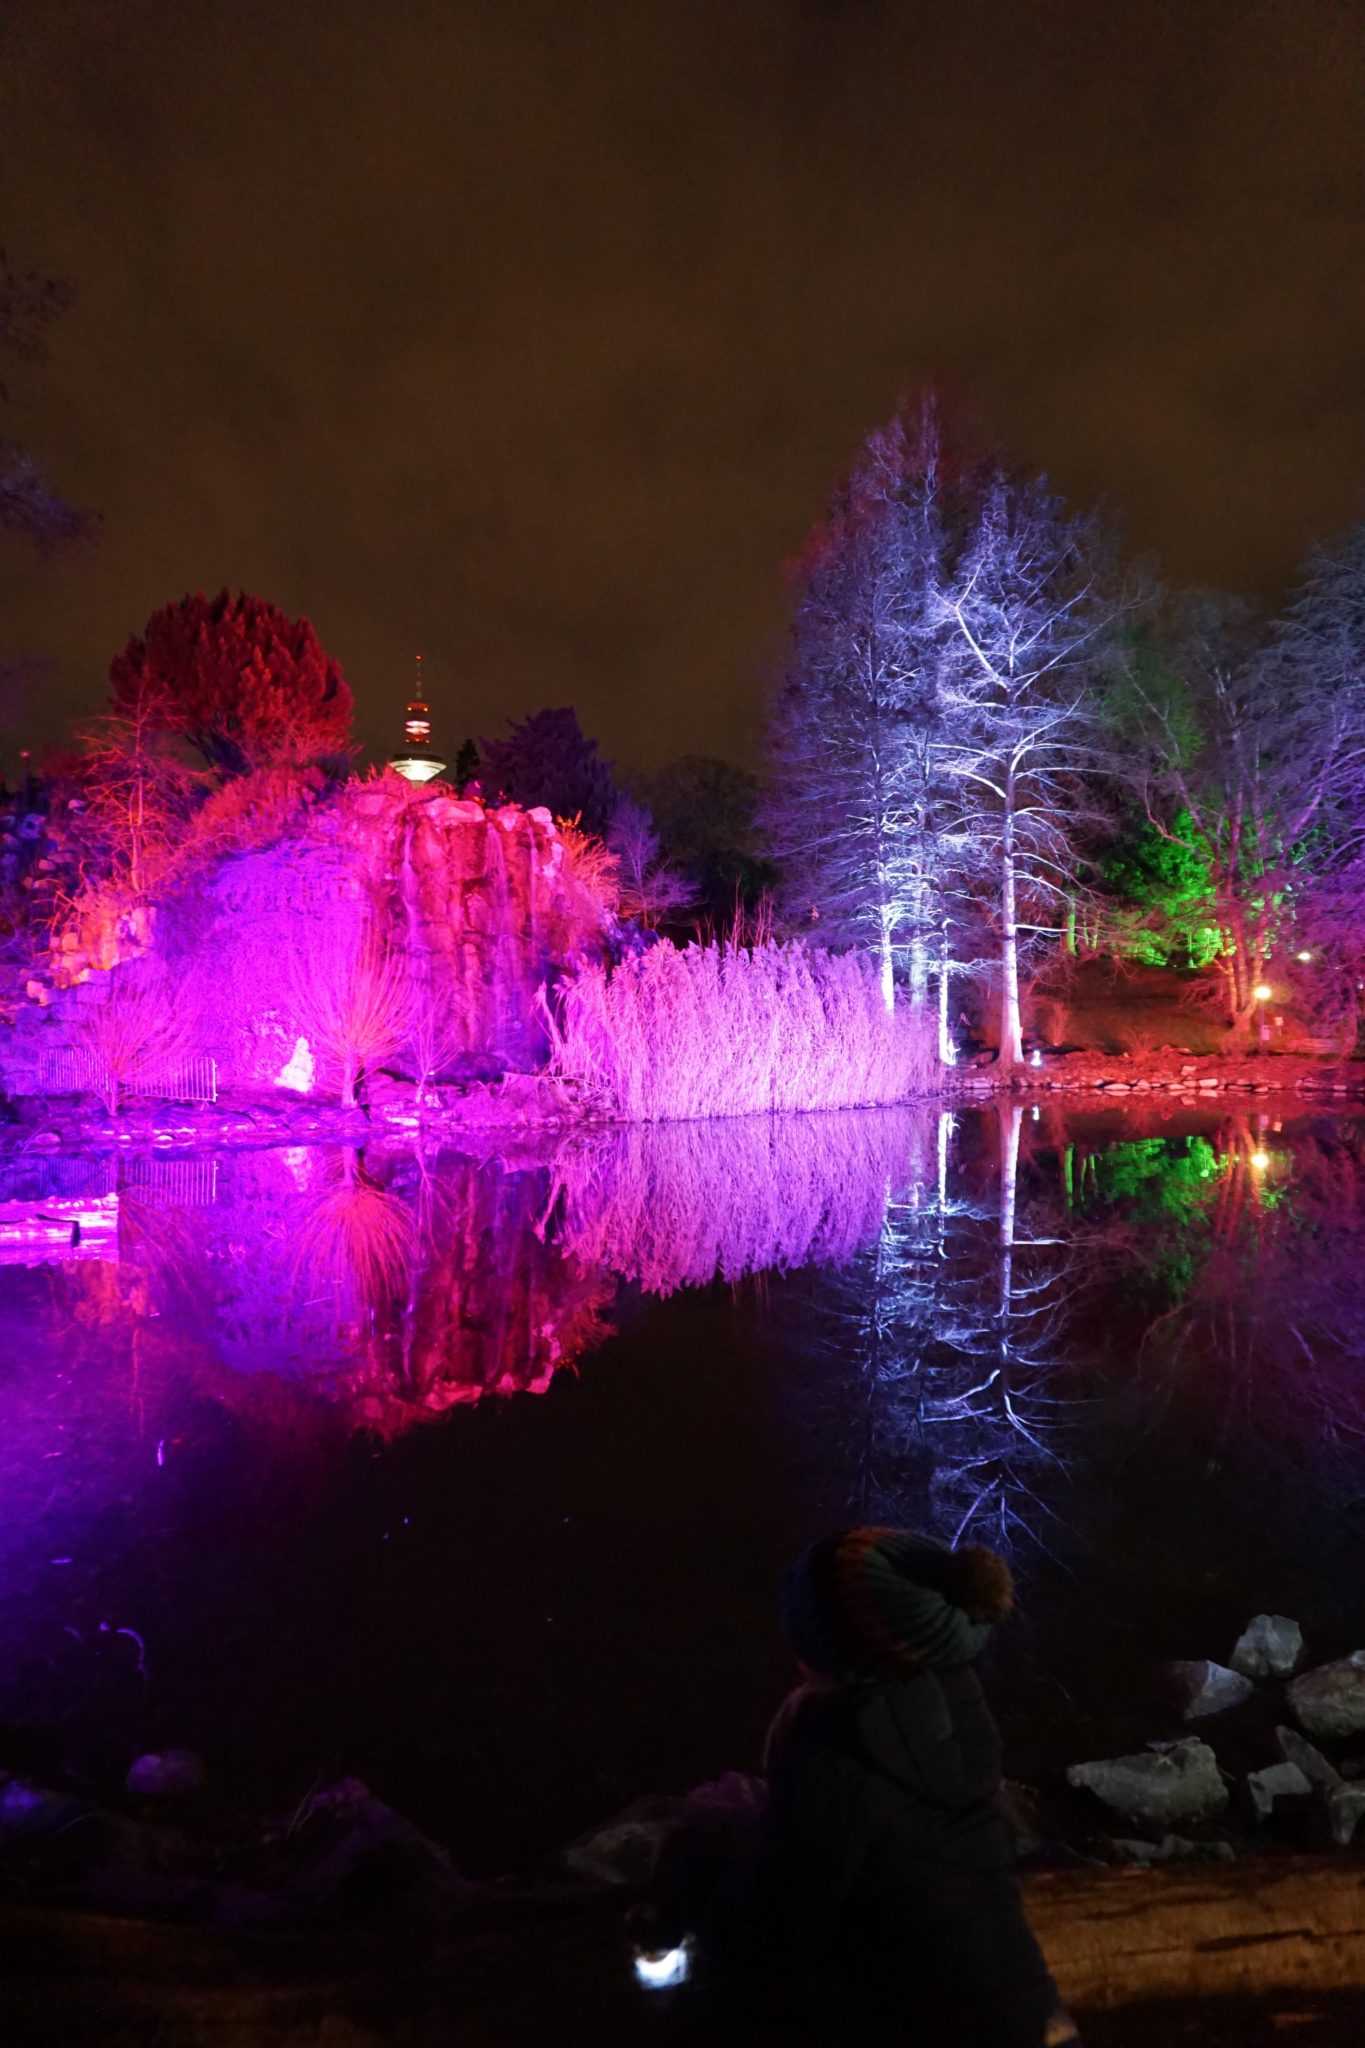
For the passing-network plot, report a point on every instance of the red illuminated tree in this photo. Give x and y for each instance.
(246, 686)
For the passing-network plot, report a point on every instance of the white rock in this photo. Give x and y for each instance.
(1179, 1783)
(1330, 1701)
(1205, 1688)
(1276, 1781)
(1270, 1646)
(168, 1776)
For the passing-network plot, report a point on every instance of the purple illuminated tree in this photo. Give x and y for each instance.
(851, 814)
(650, 888)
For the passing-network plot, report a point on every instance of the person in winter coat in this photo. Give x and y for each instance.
(884, 1857)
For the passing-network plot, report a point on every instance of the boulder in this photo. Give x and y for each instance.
(1205, 1688)
(171, 1775)
(1297, 1751)
(1330, 1701)
(1182, 1782)
(1270, 1646)
(1275, 1782)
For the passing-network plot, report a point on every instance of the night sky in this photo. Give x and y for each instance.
(533, 335)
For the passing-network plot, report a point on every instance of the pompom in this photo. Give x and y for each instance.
(980, 1583)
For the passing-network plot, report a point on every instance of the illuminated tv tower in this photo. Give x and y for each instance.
(416, 758)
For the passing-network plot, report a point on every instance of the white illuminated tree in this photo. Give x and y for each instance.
(1027, 618)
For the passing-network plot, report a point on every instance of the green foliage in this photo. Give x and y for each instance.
(1166, 880)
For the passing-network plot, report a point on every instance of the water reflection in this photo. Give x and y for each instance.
(984, 1280)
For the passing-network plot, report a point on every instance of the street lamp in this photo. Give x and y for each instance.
(1263, 992)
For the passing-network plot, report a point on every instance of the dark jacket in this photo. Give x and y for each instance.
(883, 1800)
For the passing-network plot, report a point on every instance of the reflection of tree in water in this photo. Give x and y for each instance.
(950, 1326)
(1247, 1270)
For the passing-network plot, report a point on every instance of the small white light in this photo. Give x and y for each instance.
(1303, 956)
(1263, 992)
(1260, 1160)
(1035, 1059)
(659, 1970)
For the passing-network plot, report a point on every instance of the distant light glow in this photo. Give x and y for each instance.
(671, 1966)
(1263, 992)
(1303, 956)
(416, 767)
(1260, 1160)
(1035, 1059)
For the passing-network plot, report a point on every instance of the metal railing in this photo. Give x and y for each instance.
(70, 1070)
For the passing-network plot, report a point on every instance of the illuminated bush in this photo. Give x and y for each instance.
(725, 1031)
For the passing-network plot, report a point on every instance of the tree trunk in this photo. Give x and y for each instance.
(885, 959)
(947, 1051)
(1011, 1030)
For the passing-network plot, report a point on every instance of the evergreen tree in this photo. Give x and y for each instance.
(548, 759)
(243, 684)
(850, 815)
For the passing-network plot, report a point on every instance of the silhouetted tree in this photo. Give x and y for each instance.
(246, 686)
(704, 812)
(29, 508)
(467, 766)
(548, 759)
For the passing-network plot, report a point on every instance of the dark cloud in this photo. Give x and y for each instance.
(534, 334)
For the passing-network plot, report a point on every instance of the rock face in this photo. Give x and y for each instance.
(1204, 1688)
(481, 907)
(1179, 1783)
(1270, 1646)
(1330, 1701)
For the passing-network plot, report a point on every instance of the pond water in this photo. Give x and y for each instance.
(474, 1475)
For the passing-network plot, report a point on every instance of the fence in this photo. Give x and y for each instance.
(172, 1183)
(72, 1071)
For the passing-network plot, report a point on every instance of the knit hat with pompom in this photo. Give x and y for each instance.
(885, 1603)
